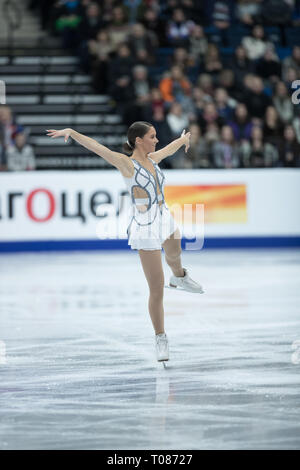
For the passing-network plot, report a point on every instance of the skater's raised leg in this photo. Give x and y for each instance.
(172, 249)
(180, 278)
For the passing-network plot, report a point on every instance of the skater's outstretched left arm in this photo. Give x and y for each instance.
(171, 148)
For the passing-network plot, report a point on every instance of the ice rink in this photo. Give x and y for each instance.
(77, 356)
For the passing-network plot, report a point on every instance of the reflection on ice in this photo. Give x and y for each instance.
(296, 354)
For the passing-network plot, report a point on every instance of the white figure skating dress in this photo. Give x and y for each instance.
(150, 223)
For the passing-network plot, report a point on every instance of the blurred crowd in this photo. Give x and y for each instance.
(222, 69)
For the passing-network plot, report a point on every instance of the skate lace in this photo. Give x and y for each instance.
(188, 280)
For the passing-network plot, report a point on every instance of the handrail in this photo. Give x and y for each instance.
(12, 13)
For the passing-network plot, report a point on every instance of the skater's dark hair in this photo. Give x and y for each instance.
(137, 129)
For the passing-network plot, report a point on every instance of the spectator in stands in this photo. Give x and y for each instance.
(221, 20)
(156, 102)
(197, 45)
(291, 61)
(3, 165)
(226, 152)
(276, 12)
(283, 103)
(20, 157)
(180, 58)
(221, 15)
(224, 104)
(248, 11)
(290, 76)
(141, 44)
(226, 79)
(175, 85)
(181, 90)
(101, 51)
(289, 149)
(268, 67)
(142, 85)
(163, 133)
(155, 25)
(67, 18)
(199, 98)
(134, 10)
(209, 116)
(8, 127)
(91, 22)
(118, 27)
(212, 134)
(179, 29)
(205, 83)
(177, 120)
(121, 65)
(107, 10)
(256, 100)
(296, 126)
(272, 127)
(212, 63)
(191, 8)
(257, 153)
(241, 124)
(256, 44)
(120, 79)
(248, 81)
(198, 154)
(240, 64)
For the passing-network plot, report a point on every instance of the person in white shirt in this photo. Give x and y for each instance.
(21, 156)
(177, 120)
(256, 44)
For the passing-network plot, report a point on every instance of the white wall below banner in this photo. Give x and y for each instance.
(55, 206)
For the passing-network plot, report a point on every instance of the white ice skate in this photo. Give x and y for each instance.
(162, 347)
(185, 283)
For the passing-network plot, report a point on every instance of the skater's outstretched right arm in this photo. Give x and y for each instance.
(171, 148)
(116, 159)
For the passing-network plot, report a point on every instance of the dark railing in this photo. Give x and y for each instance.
(13, 16)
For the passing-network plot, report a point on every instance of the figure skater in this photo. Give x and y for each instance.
(152, 226)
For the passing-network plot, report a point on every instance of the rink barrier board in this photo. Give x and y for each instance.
(90, 245)
(55, 210)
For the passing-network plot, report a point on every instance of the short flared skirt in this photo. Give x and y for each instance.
(148, 234)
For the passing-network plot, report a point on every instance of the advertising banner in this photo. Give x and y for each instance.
(94, 205)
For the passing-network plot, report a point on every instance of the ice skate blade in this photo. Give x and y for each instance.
(180, 288)
(162, 360)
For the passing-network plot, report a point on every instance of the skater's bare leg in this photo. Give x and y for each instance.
(152, 267)
(172, 248)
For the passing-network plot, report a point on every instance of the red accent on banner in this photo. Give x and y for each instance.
(51, 205)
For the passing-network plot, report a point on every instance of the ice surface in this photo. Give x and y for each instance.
(77, 356)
